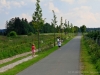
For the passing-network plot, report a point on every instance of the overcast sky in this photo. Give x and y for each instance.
(77, 12)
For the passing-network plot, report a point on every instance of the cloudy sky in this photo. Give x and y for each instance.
(77, 12)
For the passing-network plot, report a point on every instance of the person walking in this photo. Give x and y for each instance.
(58, 38)
(33, 50)
(59, 43)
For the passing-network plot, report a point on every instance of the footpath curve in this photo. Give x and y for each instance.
(64, 61)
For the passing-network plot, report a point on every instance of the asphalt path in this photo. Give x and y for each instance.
(64, 61)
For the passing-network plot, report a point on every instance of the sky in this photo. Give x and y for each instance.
(77, 12)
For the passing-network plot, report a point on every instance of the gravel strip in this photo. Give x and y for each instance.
(14, 57)
(5, 68)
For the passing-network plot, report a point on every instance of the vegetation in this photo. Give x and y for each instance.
(83, 28)
(93, 49)
(20, 26)
(12, 46)
(41, 55)
(54, 23)
(87, 66)
(12, 34)
(25, 33)
(38, 21)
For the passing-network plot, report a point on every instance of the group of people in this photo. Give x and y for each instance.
(59, 42)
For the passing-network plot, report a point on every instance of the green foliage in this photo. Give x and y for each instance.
(93, 50)
(94, 47)
(54, 23)
(54, 20)
(76, 29)
(20, 26)
(13, 46)
(37, 17)
(12, 34)
(83, 28)
(98, 65)
(30, 33)
(47, 28)
(87, 65)
(38, 21)
(45, 53)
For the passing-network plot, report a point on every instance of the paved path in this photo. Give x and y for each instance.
(60, 62)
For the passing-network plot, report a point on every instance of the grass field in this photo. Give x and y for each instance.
(41, 55)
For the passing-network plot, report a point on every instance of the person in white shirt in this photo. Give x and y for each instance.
(59, 43)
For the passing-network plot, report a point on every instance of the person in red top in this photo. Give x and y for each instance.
(33, 49)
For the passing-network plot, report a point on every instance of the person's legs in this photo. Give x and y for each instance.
(33, 53)
(59, 47)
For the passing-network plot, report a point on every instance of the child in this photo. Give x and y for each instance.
(59, 43)
(33, 49)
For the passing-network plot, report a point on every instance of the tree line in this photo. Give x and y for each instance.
(23, 27)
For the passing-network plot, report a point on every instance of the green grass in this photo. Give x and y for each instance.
(87, 67)
(12, 46)
(24, 65)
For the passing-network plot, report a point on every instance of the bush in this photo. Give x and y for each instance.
(30, 33)
(98, 65)
(12, 34)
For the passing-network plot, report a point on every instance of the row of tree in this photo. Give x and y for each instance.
(38, 25)
(23, 27)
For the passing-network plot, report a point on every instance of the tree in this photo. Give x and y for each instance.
(20, 26)
(68, 28)
(76, 29)
(65, 25)
(38, 20)
(83, 28)
(61, 29)
(46, 28)
(54, 23)
(72, 28)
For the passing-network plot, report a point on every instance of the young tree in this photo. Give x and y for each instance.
(65, 25)
(54, 23)
(61, 29)
(68, 29)
(38, 21)
(72, 28)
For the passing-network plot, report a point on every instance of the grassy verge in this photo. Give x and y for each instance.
(24, 65)
(87, 67)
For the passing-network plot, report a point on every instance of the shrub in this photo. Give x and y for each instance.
(30, 33)
(12, 34)
(98, 65)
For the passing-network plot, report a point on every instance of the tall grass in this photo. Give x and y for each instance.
(13, 46)
(24, 65)
(89, 57)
